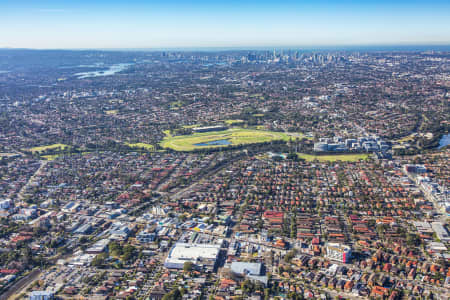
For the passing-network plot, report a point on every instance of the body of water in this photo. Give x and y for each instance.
(215, 143)
(111, 71)
(215, 64)
(445, 140)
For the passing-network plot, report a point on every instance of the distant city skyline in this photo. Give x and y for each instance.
(101, 24)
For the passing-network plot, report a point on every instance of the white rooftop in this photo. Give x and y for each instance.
(192, 252)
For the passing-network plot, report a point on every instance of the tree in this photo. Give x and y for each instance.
(293, 228)
(115, 249)
(247, 286)
(293, 156)
(412, 239)
(290, 255)
(266, 294)
(295, 296)
(128, 252)
(380, 229)
(99, 260)
(188, 266)
(26, 255)
(175, 294)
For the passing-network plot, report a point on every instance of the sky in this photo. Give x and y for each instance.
(82, 24)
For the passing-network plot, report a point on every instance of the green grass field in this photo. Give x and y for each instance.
(111, 112)
(51, 157)
(405, 139)
(332, 158)
(48, 147)
(234, 122)
(7, 154)
(176, 104)
(192, 126)
(141, 145)
(237, 136)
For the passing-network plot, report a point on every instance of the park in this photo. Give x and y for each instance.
(215, 139)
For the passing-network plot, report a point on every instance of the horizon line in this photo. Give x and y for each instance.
(260, 48)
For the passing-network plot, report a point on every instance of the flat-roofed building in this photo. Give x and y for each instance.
(98, 247)
(253, 271)
(203, 256)
(41, 295)
(339, 252)
(146, 236)
(441, 232)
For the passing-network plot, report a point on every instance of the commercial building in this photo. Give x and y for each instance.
(246, 268)
(415, 169)
(98, 247)
(441, 232)
(368, 144)
(119, 231)
(41, 295)
(338, 252)
(5, 204)
(146, 236)
(203, 256)
(320, 147)
(83, 229)
(253, 271)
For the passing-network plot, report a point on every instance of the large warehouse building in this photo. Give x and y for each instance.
(204, 256)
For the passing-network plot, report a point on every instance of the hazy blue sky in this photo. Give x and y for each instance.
(156, 24)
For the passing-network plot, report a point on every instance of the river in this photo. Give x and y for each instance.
(110, 71)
